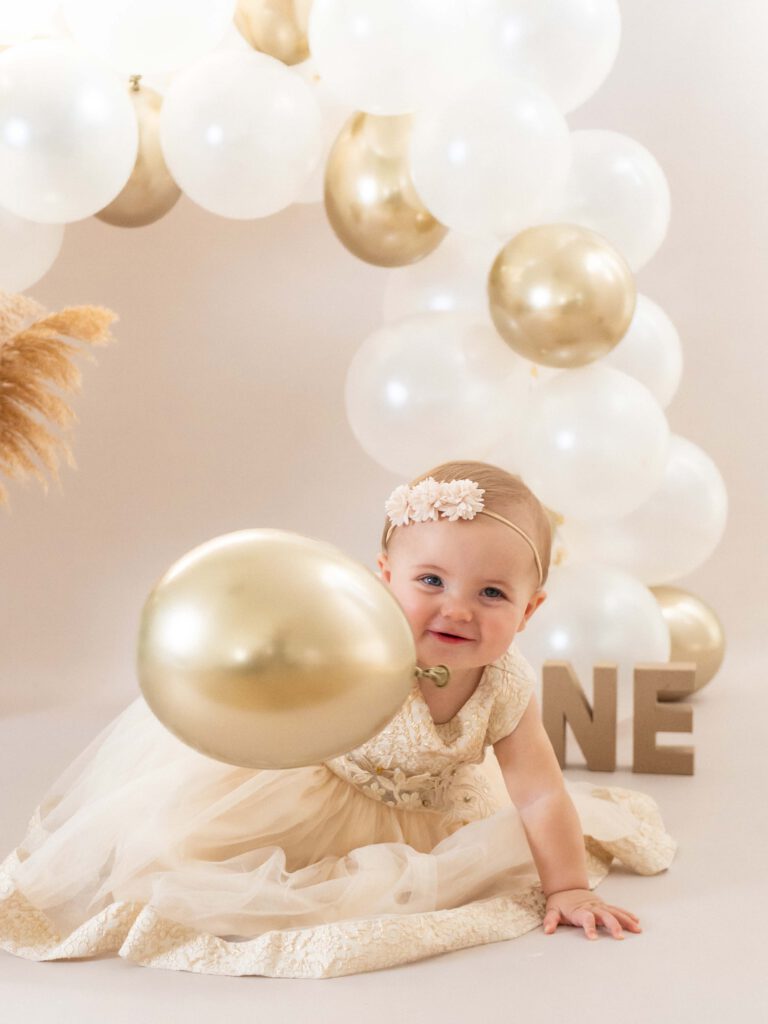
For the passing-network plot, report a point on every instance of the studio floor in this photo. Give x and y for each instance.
(700, 958)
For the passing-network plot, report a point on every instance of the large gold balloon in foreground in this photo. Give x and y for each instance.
(695, 632)
(267, 649)
(150, 191)
(561, 295)
(369, 196)
(275, 27)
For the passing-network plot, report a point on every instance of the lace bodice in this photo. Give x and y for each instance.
(417, 764)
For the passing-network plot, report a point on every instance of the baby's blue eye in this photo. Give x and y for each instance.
(423, 579)
(498, 592)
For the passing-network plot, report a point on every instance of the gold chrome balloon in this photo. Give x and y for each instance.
(150, 191)
(275, 27)
(266, 649)
(695, 631)
(369, 196)
(561, 295)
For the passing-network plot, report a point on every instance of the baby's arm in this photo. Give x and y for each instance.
(536, 787)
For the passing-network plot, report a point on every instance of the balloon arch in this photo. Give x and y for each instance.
(436, 135)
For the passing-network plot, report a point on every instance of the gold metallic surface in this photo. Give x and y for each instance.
(561, 295)
(275, 27)
(439, 674)
(369, 196)
(267, 649)
(150, 191)
(695, 631)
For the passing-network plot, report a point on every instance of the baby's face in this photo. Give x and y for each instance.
(471, 579)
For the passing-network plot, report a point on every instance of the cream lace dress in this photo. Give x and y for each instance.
(395, 851)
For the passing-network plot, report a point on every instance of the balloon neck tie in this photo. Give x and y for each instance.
(135, 80)
(439, 674)
(452, 499)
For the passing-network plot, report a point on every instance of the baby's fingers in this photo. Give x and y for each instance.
(551, 920)
(630, 921)
(609, 922)
(585, 919)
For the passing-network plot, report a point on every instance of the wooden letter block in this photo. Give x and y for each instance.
(563, 701)
(651, 716)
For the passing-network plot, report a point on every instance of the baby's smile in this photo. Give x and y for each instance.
(449, 638)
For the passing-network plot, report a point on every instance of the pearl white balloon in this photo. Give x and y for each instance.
(379, 56)
(241, 133)
(334, 115)
(508, 451)
(22, 19)
(565, 47)
(489, 160)
(617, 188)
(670, 534)
(429, 388)
(650, 351)
(595, 443)
(596, 613)
(68, 133)
(452, 278)
(27, 250)
(146, 36)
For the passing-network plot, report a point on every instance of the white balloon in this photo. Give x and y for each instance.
(596, 613)
(452, 278)
(489, 160)
(334, 114)
(241, 133)
(650, 351)
(429, 388)
(68, 133)
(595, 443)
(146, 36)
(670, 534)
(509, 451)
(27, 250)
(617, 188)
(565, 47)
(23, 19)
(379, 56)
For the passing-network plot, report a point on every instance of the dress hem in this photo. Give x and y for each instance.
(139, 933)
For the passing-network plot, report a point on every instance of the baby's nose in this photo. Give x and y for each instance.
(458, 610)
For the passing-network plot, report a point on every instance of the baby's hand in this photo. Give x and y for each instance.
(581, 908)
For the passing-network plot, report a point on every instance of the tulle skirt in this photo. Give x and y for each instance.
(145, 848)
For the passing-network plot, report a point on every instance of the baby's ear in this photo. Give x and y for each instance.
(384, 571)
(537, 598)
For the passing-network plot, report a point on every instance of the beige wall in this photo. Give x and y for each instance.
(221, 407)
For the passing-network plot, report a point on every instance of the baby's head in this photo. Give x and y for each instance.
(479, 578)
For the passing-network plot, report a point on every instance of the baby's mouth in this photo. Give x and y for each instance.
(449, 637)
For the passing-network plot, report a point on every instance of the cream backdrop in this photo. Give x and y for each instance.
(221, 405)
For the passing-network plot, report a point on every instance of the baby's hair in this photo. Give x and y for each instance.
(505, 493)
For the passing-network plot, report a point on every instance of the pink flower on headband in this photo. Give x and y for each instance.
(461, 499)
(397, 505)
(425, 498)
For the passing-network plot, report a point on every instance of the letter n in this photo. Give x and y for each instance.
(564, 702)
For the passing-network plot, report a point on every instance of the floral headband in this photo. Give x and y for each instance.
(453, 499)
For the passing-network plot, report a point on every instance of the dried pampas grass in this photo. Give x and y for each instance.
(36, 353)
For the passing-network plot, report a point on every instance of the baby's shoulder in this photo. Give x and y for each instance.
(512, 681)
(512, 673)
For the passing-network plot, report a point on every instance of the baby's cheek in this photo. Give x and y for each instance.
(415, 614)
